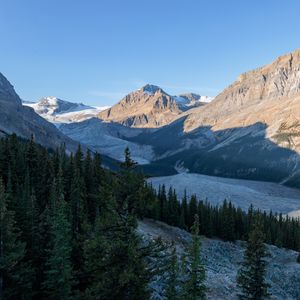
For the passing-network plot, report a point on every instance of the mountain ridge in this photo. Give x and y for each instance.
(23, 121)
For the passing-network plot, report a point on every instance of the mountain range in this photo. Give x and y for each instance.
(250, 130)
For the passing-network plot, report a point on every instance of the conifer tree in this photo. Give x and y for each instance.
(192, 211)
(251, 276)
(193, 284)
(162, 202)
(172, 282)
(59, 276)
(14, 273)
(228, 232)
(115, 266)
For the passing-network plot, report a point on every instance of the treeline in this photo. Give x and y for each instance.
(225, 221)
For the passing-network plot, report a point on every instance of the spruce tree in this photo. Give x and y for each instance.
(172, 282)
(251, 276)
(192, 211)
(14, 272)
(59, 276)
(194, 271)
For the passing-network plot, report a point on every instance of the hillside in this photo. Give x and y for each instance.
(16, 118)
(222, 261)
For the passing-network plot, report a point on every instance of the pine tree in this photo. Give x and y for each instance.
(192, 211)
(14, 273)
(128, 163)
(228, 232)
(59, 277)
(172, 282)
(115, 267)
(184, 211)
(193, 284)
(251, 276)
(162, 203)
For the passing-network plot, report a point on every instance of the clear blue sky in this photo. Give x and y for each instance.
(96, 51)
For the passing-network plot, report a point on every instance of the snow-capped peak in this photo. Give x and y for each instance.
(56, 110)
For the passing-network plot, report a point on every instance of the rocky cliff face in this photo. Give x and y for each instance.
(147, 107)
(15, 118)
(270, 95)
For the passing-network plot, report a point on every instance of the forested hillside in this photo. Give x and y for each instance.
(68, 227)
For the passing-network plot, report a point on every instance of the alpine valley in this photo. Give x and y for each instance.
(232, 160)
(249, 131)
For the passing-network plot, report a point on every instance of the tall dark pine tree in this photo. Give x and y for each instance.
(172, 282)
(14, 273)
(228, 230)
(59, 274)
(251, 276)
(193, 284)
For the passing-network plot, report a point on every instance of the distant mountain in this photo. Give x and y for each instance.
(22, 120)
(56, 110)
(250, 130)
(190, 100)
(150, 107)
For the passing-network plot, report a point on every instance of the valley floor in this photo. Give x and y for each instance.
(263, 195)
(222, 262)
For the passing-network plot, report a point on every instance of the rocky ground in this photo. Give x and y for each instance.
(222, 261)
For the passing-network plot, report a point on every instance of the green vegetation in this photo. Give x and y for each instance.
(251, 276)
(68, 228)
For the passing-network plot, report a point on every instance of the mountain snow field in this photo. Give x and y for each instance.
(59, 111)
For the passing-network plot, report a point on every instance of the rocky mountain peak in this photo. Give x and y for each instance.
(151, 89)
(149, 106)
(280, 78)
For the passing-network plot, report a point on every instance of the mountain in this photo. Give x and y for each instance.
(269, 94)
(56, 110)
(250, 130)
(150, 107)
(22, 120)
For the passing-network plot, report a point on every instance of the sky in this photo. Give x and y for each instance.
(97, 51)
